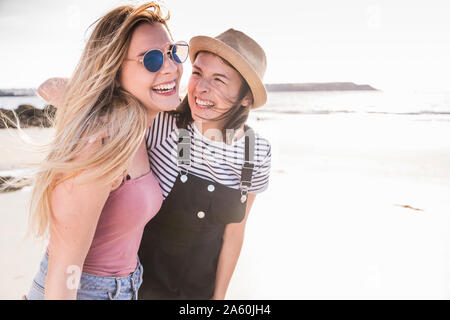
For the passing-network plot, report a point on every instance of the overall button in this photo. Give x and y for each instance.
(211, 188)
(201, 214)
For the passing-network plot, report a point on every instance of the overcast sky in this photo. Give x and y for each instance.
(387, 44)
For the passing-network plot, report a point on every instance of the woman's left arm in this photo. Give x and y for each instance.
(233, 238)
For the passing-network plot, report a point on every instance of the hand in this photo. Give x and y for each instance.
(52, 90)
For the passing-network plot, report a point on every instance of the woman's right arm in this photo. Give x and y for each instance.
(76, 209)
(52, 90)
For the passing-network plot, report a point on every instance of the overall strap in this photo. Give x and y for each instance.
(247, 168)
(184, 148)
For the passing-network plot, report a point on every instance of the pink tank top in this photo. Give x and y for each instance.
(113, 252)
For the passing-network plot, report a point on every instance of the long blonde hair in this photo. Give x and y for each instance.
(92, 104)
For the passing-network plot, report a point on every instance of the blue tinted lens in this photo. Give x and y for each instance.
(153, 60)
(175, 55)
(180, 52)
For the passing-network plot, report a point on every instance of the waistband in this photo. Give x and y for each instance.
(101, 283)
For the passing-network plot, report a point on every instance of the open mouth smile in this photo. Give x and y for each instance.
(203, 104)
(165, 89)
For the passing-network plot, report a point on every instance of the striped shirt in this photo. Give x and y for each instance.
(210, 160)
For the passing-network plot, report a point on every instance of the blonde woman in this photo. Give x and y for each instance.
(95, 192)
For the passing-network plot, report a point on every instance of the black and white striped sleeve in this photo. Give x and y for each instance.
(261, 171)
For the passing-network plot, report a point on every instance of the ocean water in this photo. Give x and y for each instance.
(402, 103)
(14, 102)
(423, 105)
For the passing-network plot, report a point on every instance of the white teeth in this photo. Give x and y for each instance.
(203, 103)
(168, 86)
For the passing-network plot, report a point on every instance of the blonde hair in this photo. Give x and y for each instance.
(93, 105)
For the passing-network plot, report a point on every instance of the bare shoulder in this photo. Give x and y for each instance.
(79, 184)
(94, 143)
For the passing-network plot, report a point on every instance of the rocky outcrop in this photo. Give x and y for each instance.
(28, 116)
(4, 187)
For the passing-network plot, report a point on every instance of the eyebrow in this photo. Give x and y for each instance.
(215, 74)
(142, 53)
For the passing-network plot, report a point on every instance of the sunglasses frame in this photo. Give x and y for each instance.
(169, 52)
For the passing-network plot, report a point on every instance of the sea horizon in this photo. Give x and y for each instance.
(397, 102)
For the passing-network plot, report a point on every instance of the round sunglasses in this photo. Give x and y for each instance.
(153, 59)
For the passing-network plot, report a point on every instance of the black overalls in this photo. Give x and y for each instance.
(181, 245)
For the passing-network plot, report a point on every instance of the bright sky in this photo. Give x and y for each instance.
(387, 44)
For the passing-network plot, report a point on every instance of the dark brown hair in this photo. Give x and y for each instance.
(236, 116)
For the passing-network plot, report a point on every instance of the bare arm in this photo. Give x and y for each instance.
(52, 90)
(233, 239)
(76, 208)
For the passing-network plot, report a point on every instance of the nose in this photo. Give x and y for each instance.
(202, 85)
(169, 66)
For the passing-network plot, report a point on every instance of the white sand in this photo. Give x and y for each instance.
(20, 256)
(331, 225)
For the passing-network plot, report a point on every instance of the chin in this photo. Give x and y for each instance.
(195, 117)
(169, 107)
(166, 105)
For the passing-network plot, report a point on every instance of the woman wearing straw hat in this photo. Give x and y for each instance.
(210, 167)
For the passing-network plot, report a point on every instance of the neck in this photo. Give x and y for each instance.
(151, 115)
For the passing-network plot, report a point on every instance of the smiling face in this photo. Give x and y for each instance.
(213, 89)
(157, 91)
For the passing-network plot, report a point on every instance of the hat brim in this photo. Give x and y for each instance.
(204, 43)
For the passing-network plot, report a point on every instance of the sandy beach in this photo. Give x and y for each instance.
(357, 208)
(339, 221)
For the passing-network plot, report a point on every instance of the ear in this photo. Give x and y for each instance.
(247, 101)
(117, 83)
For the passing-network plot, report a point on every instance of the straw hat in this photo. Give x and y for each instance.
(242, 52)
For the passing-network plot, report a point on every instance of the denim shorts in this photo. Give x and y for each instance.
(92, 287)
